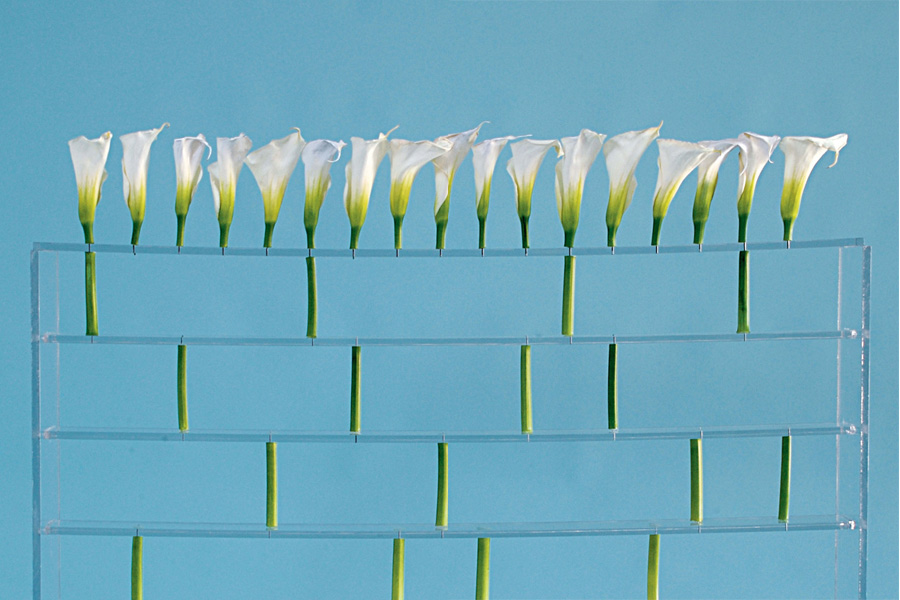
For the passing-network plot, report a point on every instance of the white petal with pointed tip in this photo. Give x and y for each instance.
(135, 160)
(676, 160)
(579, 153)
(360, 175)
(272, 167)
(89, 160)
(188, 158)
(527, 156)
(756, 151)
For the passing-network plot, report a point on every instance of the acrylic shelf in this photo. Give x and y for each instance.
(430, 437)
(454, 530)
(849, 335)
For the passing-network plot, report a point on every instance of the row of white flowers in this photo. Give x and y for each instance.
(273, 164)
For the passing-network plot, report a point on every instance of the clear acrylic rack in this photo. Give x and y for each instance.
(851, 331)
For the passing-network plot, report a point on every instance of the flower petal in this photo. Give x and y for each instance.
(135, 160)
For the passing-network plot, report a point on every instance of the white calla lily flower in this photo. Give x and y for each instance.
(272, 167)
(89, 160)
(188, 173)
(756, 151)
(527, 157)
(579, 153)
(445, 167)
(623, 152)
(317, 156)
(407, 158)
(360, 175)
(484, 159)
(223, 176)
(800, 156)
(135, 160)
(676, 161)
(707, 179)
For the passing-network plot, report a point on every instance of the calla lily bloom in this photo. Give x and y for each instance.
(527, 156)
(445, 167)
(707, 178)
(406, 160)
(89, 160)
(755, 153)
(484, 159)
(623, 153)
(272, 167)
(579, 153)
(317, 156)
(676, 161)
(188, 173)
(800, 156)
(223, 176)
(135, 160)
(360, 175)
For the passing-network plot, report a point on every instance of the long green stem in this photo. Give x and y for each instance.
(657, 229)
(312, 301)
(483, 572)
(90, 293)
(182, 389)
(137, 568)
(397, 570)
(443, 504)
(135, 232)
(440, 235)
(568, 307)
(743, 292)
(697, 480)
(271, 485)
(524, 223)
(179, 234)
(612, 387)
(653, 568)
(784, 491)
(355, 371)
(398, 233)
(482, 232)
(267, 237)
(525, 388)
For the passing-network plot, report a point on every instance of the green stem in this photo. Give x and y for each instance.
(699, 228)
(271, 485)
(483, 572)
(784, 491)
(397, 570)
(440, 235)
(88, 232)
(657, 229)
(310, 237)
(398, 233)
(482, 232)
(788, 229)
(568, 307)
(135, 232)
(743, 292)
(182, 389)
(742, 228)
(90, 293)
(611, 235)
(653, 568)
(354, 237)
(443, 504)
(355, 370)
(697, 480)
(137, 568)
(524, 223)
(179, 230)
(267, 237)
(312, 302)
(223, 234)
(569, 239)
(612, 388)
(525, 388)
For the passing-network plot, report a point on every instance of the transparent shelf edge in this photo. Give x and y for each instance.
(448, 253)
(464, 530)
(559, 340)
(425, 437)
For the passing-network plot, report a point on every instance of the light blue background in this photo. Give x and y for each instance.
(342, 69)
